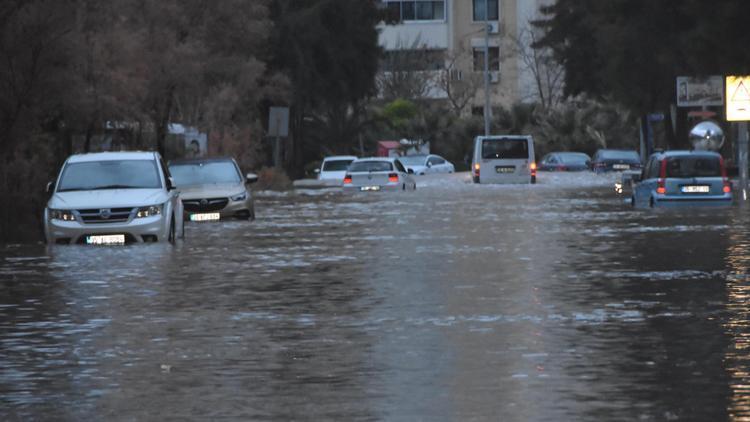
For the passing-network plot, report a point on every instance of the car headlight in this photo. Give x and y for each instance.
(240, 197)
(148, 211)
(64, 215)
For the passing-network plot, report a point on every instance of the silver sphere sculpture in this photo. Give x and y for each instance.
(707, 136)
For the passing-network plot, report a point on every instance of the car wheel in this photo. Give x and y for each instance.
(651, 202)
(403, 187)
(171, 236)
(632, 201)
(533, 180)
(252, 214)
(476, 179)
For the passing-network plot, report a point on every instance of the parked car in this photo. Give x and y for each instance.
(503, 159)
(677, 178)
(333, 169)
(565, 161)
(427, 164)
(213, 188)
(624, 183)
(113, 198)
(606, 160)
(377, 174)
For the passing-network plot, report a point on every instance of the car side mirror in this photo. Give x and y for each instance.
(316, 171)
(170, 183)
(429, 164)
(410, 171)
(50, 186)
(251, 178)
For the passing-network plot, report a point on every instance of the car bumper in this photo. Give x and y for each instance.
(687, 201)
(372, 188)
(149, 229)
(239, 209)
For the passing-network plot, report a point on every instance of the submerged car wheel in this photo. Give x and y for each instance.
(476, 179)
(651, 202)
(533, 180)
(171, 236)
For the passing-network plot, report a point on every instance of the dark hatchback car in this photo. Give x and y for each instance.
(565, 161)
(606, 160)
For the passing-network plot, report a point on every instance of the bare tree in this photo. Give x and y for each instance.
(460, 87)
(547, 73)
(405, 72)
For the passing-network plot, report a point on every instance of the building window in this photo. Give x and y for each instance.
(490, 6)
(416, 10)
(494, 63)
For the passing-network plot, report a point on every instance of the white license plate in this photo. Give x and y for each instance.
(209, 216)
(696, 189)
(369, 188)
(109, 239)
(621, 166)
(507, 169)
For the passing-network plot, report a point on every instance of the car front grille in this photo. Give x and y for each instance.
(205, 204)
(106, 215)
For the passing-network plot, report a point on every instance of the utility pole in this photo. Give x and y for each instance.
(486, 67)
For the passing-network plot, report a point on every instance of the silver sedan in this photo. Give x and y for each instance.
(377, 174)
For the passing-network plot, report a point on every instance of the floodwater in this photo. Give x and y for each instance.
(458, 302)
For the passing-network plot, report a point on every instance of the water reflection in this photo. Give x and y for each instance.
(457, 302)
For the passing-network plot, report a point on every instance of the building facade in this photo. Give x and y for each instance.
(441, 44)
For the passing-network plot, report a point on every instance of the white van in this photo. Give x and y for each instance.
(504, 159)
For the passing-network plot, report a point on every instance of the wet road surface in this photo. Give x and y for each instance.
(456, 302)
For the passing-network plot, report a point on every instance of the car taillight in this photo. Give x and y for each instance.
(476, 169)
(661, 183)
(393, 178)
(532, 167)
(347, 179)
(727, 186)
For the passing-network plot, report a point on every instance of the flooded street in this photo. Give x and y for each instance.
(555, 301)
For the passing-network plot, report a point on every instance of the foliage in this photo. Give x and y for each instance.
(631, 50)
(272, 179)
(399, 111)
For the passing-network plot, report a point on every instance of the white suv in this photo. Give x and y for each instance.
(113, 198)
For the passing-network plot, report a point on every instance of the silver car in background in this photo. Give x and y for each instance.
(427, 164)
(333, 169)
(113, 198)
(213, 189)
(377, 174)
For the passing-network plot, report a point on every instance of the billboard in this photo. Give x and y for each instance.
(700, 92)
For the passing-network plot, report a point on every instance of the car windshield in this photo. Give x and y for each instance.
(574, 158)
(110, 174)
(413, 160)
(336, 165)
(683, 167)
(505, 148)
(619, 155)
(200, 173)
(362, 166)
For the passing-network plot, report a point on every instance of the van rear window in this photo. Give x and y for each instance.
(505, 148)
(682, 167)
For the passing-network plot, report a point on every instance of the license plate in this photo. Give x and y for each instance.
(109, 239)
(505, 169)
(696, 189)
(369, 188)
(621, 166)
(209, 216)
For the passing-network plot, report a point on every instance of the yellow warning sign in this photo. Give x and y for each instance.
(738, 98)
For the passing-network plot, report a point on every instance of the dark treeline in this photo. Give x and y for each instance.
(631, 51)
(69, 69)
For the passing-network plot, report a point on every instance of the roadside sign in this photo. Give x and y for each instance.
(278, 121)
(700, 92)
(738, 98)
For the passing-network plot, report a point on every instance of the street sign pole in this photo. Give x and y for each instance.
(277, 146)
(742, 143)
